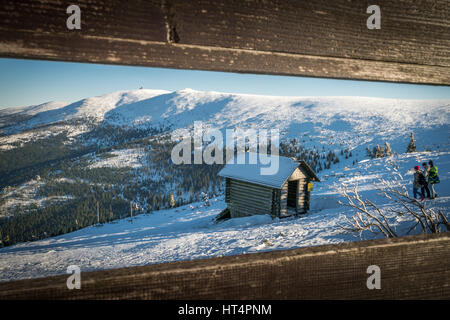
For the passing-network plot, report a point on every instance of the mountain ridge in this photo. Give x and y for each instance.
(326, 118)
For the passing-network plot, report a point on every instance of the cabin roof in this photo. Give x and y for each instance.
(251, 172)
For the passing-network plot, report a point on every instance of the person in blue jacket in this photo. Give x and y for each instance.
(426, 171)
(419, 182)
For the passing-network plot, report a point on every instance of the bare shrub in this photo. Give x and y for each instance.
(371, 217)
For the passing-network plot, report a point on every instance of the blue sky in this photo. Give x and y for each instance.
(31, 82)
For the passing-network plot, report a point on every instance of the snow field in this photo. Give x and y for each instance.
(191, 232)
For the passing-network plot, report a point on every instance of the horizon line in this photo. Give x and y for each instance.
(222, 92)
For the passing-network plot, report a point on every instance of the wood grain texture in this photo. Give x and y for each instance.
(307, 38)
(416, 267)
(411, 31)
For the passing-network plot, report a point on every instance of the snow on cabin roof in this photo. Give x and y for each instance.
(252, 172)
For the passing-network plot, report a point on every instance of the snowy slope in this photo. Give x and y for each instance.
(16, 115)
(128, 158)
(330, 119)
(33, 110)
(190, 232)
(93, 109)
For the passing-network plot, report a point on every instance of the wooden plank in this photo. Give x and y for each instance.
(235, 189)
(250, 209)
(248, 199)
(251, 202)
(251, 195)
(136, 20)
(412, 31)
(245, 211)
(250, 185)
(242, 188)
(266, 198)
(416, 267)
(227, 190)
(276, 203)
(240, 210)
(319, 38)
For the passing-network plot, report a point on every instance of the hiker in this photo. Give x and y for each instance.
(419, 182)
(433, 178)
(426, 172)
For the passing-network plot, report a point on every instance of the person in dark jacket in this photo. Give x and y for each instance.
(426, 170)
(419, 182)
(433, 178)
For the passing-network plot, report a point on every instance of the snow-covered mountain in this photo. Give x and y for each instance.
(33, 110)
(16, 115)
(353, 121)
(93, 109)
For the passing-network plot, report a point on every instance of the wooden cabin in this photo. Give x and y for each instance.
(285, 193)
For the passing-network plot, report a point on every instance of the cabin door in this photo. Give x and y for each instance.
(292, 194)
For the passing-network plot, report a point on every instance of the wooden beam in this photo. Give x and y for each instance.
(415, 267)
(302, 38)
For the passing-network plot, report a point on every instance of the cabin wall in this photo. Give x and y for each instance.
(276, 202)
(302, 196)
(227, 190)
(247, 199)
(283, 200)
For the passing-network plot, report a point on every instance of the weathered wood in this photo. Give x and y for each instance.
(227, 190)
(276, 203)
(260, 208)
(242, 210)
(321, 27)
(297, 175)
(252, 200)
(250, 185)
(416, 267)
(239, 210)
(255, 190)
(315, 38)
(250, 194)
(249, 198)
(250, 207)
(302, 190)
